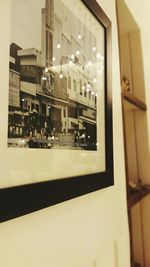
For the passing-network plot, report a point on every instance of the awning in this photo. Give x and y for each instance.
(11, 112)
(17, 112)
(87, 120)
(53, 98)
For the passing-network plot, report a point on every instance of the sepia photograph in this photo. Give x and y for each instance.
(55, 72)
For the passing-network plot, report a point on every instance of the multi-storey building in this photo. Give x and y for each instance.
(55, 89)
(14, 123)
(69, 60)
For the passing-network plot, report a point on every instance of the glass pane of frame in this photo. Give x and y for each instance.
(59, 143)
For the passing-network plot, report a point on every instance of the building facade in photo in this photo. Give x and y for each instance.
(53, 92)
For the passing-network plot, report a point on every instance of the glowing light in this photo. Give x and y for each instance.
(44, 78)
(89, 63)
(46, 69)
(22, 99)
(94, 80)
(61, 75)
(98, 55)
(94, 48)
(87, 89)
(83, 87)
(58, 46)
(53, 59)
(93, 93)
(79, 36)
(88, 85)
(78, 52)
(72, 56)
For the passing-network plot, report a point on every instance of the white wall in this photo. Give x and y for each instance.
(81, 232)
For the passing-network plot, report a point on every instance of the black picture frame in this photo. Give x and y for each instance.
(20, 200)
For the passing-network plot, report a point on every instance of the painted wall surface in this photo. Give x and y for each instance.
(140, 11)
(90, 231)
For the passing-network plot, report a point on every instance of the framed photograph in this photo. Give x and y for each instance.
(59, 142)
